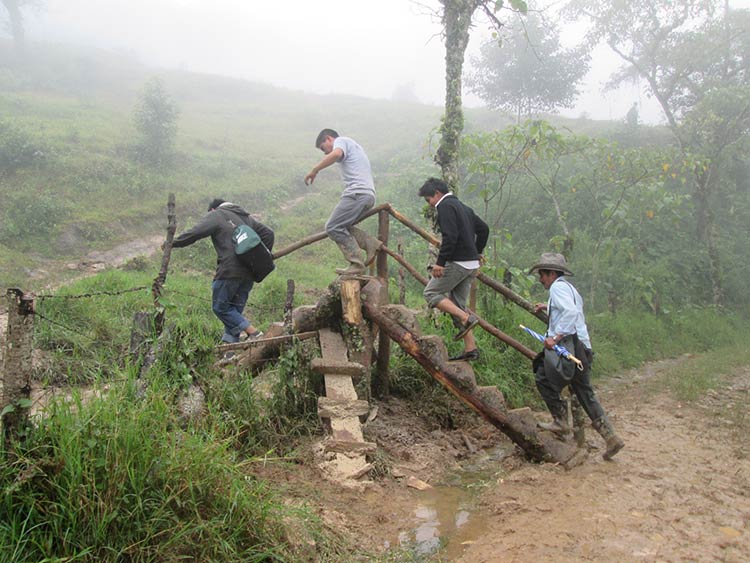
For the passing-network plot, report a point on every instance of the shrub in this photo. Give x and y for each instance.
(18, 149)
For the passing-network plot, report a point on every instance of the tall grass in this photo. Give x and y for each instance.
(117, 478)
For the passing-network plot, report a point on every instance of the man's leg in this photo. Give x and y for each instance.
(550, 392)
(583, 389)
(343, 216)
(455, 282)
(224, 306)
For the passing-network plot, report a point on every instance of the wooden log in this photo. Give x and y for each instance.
(537, 446)
(158, 284)
(289, 306)
(350, 302)
(221, 348)
(381, 386)
(325, 313)
(15, 386)
(322, 236)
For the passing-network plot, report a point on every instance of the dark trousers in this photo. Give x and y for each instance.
(228, 303)
(553, 374)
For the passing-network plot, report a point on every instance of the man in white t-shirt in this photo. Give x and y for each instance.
(357, 198)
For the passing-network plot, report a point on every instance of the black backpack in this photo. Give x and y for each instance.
(251, 251)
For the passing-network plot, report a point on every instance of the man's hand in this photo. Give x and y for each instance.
(540, 307)
(310, 178)
(549, 343)
(437, 271)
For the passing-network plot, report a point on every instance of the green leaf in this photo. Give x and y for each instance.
(519, 5)
(25, 403)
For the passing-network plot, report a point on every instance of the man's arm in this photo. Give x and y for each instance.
(204, 229)
(482, 232)
(331, 158)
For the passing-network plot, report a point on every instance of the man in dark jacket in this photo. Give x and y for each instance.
(232, 281)
(464, 236)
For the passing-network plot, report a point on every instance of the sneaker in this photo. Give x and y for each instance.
(470, 356)
(244, 337)
(470, 323)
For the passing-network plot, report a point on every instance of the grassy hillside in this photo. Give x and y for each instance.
(252, 143)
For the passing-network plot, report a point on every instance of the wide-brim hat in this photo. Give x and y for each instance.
(551, 261)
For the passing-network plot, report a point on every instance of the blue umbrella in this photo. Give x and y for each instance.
(561, 350)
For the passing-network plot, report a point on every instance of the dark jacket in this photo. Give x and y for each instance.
(217, 225)
(464, 234)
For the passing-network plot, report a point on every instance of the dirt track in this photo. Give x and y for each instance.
(680, 491)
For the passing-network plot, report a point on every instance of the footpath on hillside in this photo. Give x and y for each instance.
(679, 491)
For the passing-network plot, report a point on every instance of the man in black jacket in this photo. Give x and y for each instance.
(232, 281)
(464, 236)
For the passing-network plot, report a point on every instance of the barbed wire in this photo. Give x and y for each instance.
(93, 294)
(61, 325)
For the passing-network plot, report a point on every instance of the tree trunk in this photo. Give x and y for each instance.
(16, 25)
(457, 20)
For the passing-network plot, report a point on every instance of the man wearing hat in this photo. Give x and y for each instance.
(567, 327)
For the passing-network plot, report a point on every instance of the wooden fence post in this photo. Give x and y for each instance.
(16, 375)
(382, 384)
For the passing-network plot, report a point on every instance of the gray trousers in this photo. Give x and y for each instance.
(345, 214)
(455, 284)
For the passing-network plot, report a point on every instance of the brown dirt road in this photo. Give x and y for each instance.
(679, 491)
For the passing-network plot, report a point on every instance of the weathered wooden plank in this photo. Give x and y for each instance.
(342, 446)
(335, 366)
(331, 344)
(340, 387)
(329, 408)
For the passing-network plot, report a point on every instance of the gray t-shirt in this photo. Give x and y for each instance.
(355, 167)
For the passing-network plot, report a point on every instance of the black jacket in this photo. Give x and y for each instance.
(464, 234)
(216, 224)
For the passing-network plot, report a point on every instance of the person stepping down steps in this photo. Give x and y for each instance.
(464, 237)
(357, 198)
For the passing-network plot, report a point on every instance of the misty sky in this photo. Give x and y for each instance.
(363, 47)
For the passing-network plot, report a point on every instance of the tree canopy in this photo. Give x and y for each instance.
(528, 72)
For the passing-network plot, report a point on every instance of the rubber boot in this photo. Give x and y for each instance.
(613, 441)
(559, 424)
(368, 243)
(351, 252)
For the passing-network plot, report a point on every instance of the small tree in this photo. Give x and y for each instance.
(155, 118)
(528, 72)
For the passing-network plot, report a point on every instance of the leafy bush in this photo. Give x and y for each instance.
(155, 118)
(30, 216)
(18, 149)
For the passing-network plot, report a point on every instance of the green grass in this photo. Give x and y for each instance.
(689, 381)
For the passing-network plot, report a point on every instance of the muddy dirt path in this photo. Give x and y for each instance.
(679, 491)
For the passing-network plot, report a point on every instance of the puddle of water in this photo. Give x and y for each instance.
(443, 516)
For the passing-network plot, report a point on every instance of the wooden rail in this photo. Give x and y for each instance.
(492, 283)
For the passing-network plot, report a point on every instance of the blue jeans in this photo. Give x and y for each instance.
(229, 298)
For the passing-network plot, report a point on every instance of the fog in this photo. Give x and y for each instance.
(375, 49)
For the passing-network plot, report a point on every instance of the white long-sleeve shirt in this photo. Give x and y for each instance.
(565, 310)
